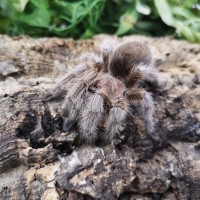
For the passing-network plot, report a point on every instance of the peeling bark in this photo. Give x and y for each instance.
(40, 161)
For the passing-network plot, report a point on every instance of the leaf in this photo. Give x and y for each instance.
(164, 11)
(182, 12)
(78, 12)
(40, 3)
(188, 33)
(127, 21)
(142, 8)
(19, 5)
(179, 18)
(38, 18)
(87, 34)
(94, 10)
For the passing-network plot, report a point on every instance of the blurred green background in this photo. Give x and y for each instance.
(85, 18)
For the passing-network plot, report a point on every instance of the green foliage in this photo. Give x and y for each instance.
(84, 18)
(182, 16)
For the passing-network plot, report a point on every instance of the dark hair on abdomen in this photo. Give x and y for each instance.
(127, 56)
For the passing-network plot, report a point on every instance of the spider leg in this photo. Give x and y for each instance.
(88, 62)
(73, 88)
(107, 49)
(134, 77)
(135, 95)
(148, 112)
(70, 112)
(72, 105)
(150, 75)
(143, 100)
(88, 58)
(91, 117)
(61, 88)
(74, 99)
(115, 122)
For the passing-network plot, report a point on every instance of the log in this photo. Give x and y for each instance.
(38, 160)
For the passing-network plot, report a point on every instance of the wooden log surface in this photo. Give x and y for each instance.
(40, 161)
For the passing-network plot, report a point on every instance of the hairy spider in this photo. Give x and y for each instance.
(103, 91)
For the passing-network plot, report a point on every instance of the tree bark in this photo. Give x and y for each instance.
(40, 161)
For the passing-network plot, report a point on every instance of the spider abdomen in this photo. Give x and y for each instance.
(128, 56)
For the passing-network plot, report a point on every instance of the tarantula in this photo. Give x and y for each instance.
(105, 89)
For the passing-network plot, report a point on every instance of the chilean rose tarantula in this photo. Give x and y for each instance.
(105, 89)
